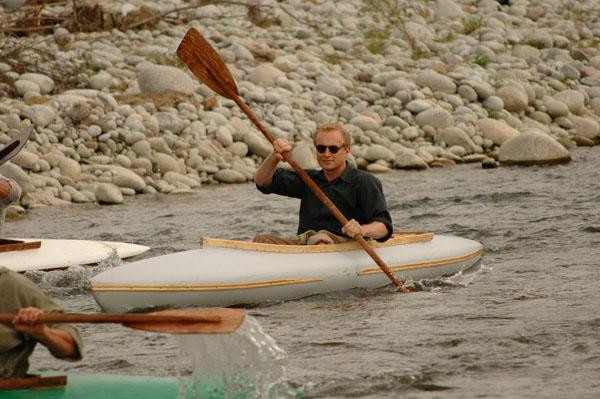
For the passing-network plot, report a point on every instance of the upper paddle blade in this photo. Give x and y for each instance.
(206, 64)
(227, 320)
(14, 146)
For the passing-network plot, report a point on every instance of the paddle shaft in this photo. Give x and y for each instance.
(115, 318)
(319, 193)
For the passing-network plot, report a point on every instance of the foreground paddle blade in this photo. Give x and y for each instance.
(226, 320)
(209, 67)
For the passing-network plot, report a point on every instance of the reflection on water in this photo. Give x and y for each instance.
(246, 363)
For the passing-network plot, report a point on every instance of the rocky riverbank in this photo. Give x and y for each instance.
(418, 84)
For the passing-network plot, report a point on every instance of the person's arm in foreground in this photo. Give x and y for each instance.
(59, 342)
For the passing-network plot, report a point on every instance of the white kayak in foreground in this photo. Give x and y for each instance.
(225, 272)
(56, 253)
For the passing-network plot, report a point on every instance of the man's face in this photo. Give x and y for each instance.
(327, 141)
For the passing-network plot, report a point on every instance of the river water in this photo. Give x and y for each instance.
(524, 324)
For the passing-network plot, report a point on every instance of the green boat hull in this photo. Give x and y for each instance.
(106, 386)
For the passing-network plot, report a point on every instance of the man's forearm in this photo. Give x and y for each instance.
(264, 174)
(375, 230)
(59, 342)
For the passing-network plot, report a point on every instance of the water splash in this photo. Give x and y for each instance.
(73, 280)
(462, 278)
(246, 363)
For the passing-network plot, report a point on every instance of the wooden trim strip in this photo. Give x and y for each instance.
(201, 287)
(400, 238)
(7, 245)
(33, 382)
(419, 265)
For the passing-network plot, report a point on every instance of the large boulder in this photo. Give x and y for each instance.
(304, 155)
(455, 136)
(265, 75)
(15, 172)
(533, 147)
(156, 79)
(498, 131)
(436, 82)
(514, 98)
(258, 145)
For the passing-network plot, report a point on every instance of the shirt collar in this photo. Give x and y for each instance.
(346, 175)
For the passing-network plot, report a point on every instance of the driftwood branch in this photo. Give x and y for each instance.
(184, 8)
(303, 22)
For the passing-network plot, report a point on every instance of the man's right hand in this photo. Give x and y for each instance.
(26, 321)
(281, 146)
(60, 342)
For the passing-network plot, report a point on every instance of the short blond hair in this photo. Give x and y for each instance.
(330, 127)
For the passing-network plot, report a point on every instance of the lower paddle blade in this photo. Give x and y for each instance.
(226, 320)
(206, 64)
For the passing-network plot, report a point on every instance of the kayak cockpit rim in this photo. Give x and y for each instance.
(398, 238)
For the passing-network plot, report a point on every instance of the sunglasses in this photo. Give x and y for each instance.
(332, 148)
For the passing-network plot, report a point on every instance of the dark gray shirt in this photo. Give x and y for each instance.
(357, 194)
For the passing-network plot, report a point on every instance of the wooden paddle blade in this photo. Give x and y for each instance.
(206, 64)
(229, 320)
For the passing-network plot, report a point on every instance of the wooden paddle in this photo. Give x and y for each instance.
(208, 66)
(173, 321)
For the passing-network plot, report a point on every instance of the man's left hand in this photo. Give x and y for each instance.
(352, 228)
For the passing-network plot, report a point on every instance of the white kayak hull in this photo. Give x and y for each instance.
(57, 253)
(226, 273)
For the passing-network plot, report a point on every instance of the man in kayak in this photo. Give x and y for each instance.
(357, 194)
(18, 340)
(10, 192)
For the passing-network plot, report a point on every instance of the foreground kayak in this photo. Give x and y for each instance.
(103, 386)
(225, 272)
(50, 254)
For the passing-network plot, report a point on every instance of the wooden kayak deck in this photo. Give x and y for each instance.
(398, 238)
